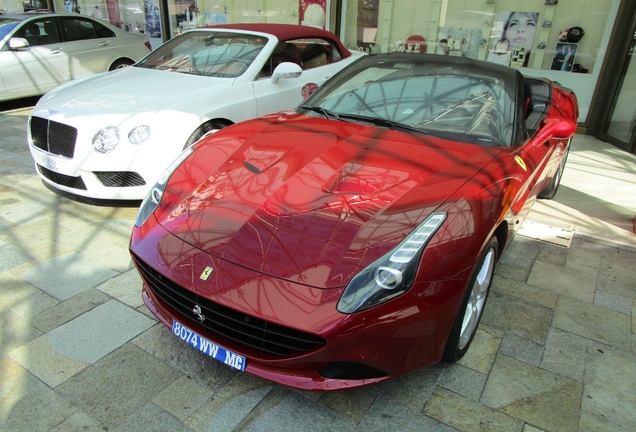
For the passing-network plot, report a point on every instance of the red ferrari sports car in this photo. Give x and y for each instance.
(353, 239)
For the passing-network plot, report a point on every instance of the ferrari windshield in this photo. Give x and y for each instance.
(421, 97)
(205, 53)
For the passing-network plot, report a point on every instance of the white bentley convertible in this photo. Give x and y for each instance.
(110, 136)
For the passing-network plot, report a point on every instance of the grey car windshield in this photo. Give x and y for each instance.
(6, 25)
(205, 53)
(422, 98)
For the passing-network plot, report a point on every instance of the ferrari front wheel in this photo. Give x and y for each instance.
(473, 304)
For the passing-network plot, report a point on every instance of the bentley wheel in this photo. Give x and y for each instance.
(472, 307)
(203, 130)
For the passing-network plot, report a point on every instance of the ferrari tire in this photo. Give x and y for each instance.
(203, 130)
(550, 190)
(472, 306)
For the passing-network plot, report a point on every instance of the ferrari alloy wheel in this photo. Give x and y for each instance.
(470, 313)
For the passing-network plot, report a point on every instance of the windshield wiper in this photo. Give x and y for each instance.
(320, 110)
(382, 123)
(366, 119)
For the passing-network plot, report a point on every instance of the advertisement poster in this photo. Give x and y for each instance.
(460, 42)
(564, 55)
(313, 13)
(153, 23)
(112, 8)
(513, 38)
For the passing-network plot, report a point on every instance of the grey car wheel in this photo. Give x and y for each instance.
(120, 64)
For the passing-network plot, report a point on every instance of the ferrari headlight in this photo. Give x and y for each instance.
(106, 140)
(152, 200)
(139, 134)
(393, 274)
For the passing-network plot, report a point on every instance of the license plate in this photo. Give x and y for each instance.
(49, 163)
(208, 347)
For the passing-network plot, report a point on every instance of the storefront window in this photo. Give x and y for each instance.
(565, 41)
(126, 14)
(189, 14)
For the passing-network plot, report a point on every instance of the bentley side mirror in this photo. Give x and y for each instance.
(286, 70)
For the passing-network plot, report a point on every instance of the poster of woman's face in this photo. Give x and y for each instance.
(517, 30)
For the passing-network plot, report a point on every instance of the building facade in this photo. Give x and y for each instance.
(586, 45)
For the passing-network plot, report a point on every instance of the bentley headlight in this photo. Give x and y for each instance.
(391, 275)
(152, 200)
(139, 134)
(106, 140)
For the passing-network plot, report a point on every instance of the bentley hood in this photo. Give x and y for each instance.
(128, 91)
(309, 200)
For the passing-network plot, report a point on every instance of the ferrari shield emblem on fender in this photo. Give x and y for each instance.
(206, 273)
(521, 163)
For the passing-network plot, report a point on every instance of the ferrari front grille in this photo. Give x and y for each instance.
(249, 332)
(119, 178)
(53, 137)
(61, 179)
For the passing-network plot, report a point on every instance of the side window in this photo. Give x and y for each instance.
(103, 31)
(41, 32)
(76, 29)
(307, 53)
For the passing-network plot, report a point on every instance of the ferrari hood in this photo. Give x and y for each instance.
(309, 200)
(128, 91)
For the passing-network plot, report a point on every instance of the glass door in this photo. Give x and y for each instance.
(622, 121)
(618, 125)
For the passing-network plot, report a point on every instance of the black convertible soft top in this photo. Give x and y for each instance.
(509, 80)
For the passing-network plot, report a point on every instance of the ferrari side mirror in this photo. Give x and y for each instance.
(286, 70)
(559, 129)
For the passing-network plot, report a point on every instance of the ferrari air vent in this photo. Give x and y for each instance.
(226, 326)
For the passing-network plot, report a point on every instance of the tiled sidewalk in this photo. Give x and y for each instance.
(556, 350)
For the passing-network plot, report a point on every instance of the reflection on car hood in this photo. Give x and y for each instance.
(128, 91)
(311, 200)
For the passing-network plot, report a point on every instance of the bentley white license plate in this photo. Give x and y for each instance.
(208, 347)
(48, 163)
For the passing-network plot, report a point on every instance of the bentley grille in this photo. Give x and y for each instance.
(53, 137)
(260, 335)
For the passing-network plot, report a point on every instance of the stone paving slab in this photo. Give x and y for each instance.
(555, 351)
